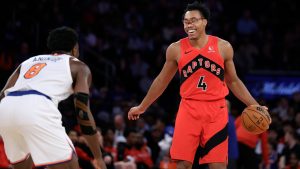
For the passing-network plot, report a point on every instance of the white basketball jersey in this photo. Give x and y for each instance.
(48, 74)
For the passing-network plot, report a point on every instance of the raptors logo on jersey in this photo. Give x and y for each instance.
(201, 71)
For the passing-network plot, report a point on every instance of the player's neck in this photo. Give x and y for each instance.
(56, 53)
(199, 42)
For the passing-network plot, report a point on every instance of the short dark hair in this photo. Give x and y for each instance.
(62, 39)
(198, 6)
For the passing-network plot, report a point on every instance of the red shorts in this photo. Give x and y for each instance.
(202, 125)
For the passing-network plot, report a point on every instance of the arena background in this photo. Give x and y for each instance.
(124, 42)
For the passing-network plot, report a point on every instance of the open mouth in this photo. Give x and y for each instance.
(191, 31)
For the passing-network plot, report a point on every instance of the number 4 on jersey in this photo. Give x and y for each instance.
(202, 84)
(34, 70)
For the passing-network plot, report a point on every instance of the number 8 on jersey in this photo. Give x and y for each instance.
(34, 70)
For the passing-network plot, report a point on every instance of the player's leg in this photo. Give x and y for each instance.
(72, 164)
(186, 136)
(50, 146)
(217, 165)
(26, 164)
(45, 137)
(183, 165)
(14, 143)
(214, 139)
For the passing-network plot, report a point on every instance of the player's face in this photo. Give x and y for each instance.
(194, 24)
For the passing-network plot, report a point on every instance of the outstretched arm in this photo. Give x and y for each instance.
(82, 78)
(11, 81)
(160, 83)
(232, 80)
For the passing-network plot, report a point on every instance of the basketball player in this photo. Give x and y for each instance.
(206, 69)
(31, 124)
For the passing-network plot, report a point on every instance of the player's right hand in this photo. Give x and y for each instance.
(135, 112)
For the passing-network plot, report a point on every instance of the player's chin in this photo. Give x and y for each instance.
(192, 37)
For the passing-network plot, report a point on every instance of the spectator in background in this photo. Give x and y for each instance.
(297, 122)
(246, 145)
(295, 103)
(24, 53)
(142, 126)
(294, 161)
(246, 25)
(273, 156)
(119, 125)
(233, 151)
(84, 159)
(292, 145)
(107, 156)
(140, 152)
(108, 142)
(125, 160)
(4, 163)
(154, 136)
(282, 109)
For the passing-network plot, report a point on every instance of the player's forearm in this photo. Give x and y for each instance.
(86, 122)
(238, 88)
(93, 144)
(156, 89)
(10, 82)
(264, 147)
(1, 95)
(7, 85)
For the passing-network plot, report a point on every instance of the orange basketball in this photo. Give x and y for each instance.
(255, 119)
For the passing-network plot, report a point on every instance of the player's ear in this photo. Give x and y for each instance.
(205, 22)
(75, 51)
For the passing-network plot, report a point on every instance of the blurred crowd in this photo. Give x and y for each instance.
(124, 45)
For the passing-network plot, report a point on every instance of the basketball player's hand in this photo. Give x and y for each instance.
(135, 112)
(98, 163)
(266, 108)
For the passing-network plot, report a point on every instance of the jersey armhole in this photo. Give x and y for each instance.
(215, 42)
(69, 69)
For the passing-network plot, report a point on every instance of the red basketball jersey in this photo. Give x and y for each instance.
(201, 71)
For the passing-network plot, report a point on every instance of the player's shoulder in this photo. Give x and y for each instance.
(78, 65)
(223, 42)
(174, 46)
(173, 50)
(225, 48)
(76, 61)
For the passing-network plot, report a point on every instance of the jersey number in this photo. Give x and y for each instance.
(202, 84)
(34, 70)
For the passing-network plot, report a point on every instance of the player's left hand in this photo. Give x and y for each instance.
(268, 114)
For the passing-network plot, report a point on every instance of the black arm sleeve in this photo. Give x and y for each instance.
(83, 114)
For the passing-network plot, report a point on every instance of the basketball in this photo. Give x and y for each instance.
(255, 119)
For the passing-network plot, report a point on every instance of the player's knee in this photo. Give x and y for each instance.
(183, 165)
(217, 166)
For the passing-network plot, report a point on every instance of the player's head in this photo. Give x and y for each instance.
(63, 40)
(195, 19)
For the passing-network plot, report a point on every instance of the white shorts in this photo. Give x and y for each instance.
(31, 125)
